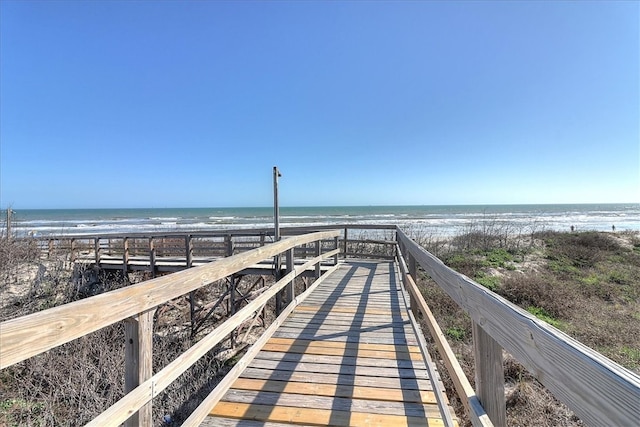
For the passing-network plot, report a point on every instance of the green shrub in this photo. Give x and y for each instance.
(498, 258)
(490, 282)
(543, 315)
(457, 334)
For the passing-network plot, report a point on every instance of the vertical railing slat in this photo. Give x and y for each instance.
(489, 375)
(139, 362)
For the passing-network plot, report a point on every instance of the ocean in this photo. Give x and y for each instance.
(435, 220)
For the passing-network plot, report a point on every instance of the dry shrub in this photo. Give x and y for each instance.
(580, 249)
(73, 383)
(557, 299)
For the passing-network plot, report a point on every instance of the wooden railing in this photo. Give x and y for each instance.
(30, 335)
(598, 390)
(141, 251)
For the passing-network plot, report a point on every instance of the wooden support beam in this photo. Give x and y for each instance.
(139, 362)
(188, 242)
(318, 245)
(413, 272)
(231, 307)
(33, 334)
(72, 256)
(152, 257)
(346, 238)
(489, 375)
(125, 255)
(467, 395)
(289, 289)
(228, 240)
(96, 245)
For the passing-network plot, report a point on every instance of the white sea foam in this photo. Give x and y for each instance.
(436, 220)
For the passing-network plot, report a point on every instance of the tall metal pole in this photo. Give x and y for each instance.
(276, 207)
(276, 235)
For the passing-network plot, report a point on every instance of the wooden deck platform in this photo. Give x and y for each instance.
(347, 356)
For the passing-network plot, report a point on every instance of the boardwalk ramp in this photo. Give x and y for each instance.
(349, 355)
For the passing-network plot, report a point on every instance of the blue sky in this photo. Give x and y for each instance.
(188, 104)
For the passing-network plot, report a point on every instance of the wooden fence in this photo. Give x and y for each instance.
(173, 251)
(598, 390)
(30, 335)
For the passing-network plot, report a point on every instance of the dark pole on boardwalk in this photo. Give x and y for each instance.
(276, 206)
(276, 234)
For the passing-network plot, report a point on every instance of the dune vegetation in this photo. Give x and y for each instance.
(586, 284)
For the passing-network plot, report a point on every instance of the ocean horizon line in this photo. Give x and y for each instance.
(329, 206)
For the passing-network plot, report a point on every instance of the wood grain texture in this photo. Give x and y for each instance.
(489, 375)
(200, 413)
(27, 336)
(317, 417)
(598, 390)
(319, 389)
(463, 387)
(351, 360)
(146, 391)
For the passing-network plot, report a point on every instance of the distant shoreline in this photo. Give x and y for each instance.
(437, 220)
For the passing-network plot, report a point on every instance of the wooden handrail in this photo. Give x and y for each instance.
(153, 386)
(598, 390)
(33, 334)
(242, 232)
(470, 401)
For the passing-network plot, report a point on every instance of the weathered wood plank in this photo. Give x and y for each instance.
(337, 317)
(27, 336)
(317, 416)
(598, 390)
(341, 379)
(348, 391)
(462, 385)
(351, 404)
(339, 321)
(350, 338)
(216, 394)
(382, 331)
(340, 369)
(122, 409)
(328, 351)
(231, 422)
(489, 375)
(342, 345)
(316, 309)
(340, 360)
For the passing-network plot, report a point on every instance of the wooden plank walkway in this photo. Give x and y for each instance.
(347, 356)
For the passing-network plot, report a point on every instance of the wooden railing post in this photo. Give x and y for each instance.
(188, 242)
(152, 257)
(344, 251)
(139, 362)
(97, 250)
(72, 257)
(229, 243)
(489, 375)
(335, 246)
(50, 248)
(125, 255)
(289, 289)
(413, 272)
(317, 254)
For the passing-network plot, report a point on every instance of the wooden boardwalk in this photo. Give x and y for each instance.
(347, 356)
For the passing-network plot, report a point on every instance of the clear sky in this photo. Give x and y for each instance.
(189, 104)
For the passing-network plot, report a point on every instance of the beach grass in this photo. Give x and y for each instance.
(586, 284)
